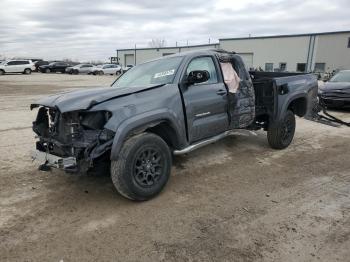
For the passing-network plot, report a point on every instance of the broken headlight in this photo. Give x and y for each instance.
(94, 120)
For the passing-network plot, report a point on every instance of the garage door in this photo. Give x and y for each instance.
(247, 58)
(129, 59)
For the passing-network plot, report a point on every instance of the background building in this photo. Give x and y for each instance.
(317, 52)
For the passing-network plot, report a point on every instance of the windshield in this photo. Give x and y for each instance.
(153, 73)
(342, 76)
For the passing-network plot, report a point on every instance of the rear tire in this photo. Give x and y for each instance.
(100, 73)
(280, 135)
(47, 70)
(2, 72)
(143, 167)
(27, 71)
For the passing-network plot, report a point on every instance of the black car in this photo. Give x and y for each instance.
(40, 63)
(336, 92)
(54, 67)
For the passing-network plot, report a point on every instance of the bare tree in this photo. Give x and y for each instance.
(157, 43)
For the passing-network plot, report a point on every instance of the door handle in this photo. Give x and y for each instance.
(221, 92)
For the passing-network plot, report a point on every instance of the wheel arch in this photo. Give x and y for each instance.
(160, 124)
(298, 106)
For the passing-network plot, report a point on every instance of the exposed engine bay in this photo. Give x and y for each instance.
(77, 134)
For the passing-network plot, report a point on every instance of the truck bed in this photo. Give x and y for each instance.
(270, 89)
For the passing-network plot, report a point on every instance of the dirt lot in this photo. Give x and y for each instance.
(237, 200)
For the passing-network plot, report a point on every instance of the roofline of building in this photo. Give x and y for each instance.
(168, 47)
(280, 36)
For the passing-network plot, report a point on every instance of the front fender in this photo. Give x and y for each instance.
(141, 122)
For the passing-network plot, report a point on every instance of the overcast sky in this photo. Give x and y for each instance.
(90, 30)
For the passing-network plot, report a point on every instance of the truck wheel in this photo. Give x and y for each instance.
(281, 135)
(143, 167)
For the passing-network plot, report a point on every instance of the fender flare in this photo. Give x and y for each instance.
(287, 103)
(138, 124)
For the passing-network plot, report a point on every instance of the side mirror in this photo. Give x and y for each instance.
(198, 76)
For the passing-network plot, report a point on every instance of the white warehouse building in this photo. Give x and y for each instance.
(318, 52)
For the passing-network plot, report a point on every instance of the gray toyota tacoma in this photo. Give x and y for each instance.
(165, 107)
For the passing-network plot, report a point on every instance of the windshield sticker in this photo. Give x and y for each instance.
(165, 73)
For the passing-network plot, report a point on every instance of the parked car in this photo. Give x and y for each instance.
(54, 67)
(17, 66)
(80, 69)
(171, 105)
(107, 69)
(336, 92)
(40, 63)
(126, 68)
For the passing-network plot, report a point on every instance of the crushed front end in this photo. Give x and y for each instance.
(73, 141)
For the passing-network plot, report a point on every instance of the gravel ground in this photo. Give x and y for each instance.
(236, 200)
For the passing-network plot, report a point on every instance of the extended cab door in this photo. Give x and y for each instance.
(205, 103)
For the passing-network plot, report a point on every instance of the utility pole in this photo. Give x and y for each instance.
(135, 56)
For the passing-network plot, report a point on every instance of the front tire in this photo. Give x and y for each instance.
(2, 72)
(281, 135)
(47, 70)
(143, 167)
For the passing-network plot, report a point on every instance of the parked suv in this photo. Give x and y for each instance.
(40, 63)
(107, 69)
(17, 66)
(54, 67)
(79, 69)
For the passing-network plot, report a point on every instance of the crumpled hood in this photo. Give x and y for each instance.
(332, 86)
(84, 99)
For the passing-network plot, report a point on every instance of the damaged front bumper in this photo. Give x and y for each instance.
(54, 161)
(73, 141)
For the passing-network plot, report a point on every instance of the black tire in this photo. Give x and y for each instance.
(27, 71)
(100, 73)
(143, 167)
(117, 73)
(75, 72)
(47, 70)
(280, 135)
(2, 72)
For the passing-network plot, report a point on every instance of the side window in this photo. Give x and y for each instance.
(269, 67)
(204, 63)
(320, 67)
(11, 63)
(283, 66)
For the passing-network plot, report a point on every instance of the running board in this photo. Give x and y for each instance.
(213, 140)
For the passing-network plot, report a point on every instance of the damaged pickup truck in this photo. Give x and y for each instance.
(171, 105)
